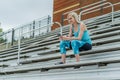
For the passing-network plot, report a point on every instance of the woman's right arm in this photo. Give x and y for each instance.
(70, 32)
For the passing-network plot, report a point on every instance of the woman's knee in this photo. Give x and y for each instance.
(74, 43)
(62, 47)
(62, 43)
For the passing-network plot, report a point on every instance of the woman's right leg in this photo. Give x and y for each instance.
(63, 45)
(63, 58)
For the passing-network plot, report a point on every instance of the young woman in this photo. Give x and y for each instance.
(78, 38)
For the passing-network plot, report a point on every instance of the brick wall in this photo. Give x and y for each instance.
(62, 6)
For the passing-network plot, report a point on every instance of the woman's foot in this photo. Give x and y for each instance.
(59, 63)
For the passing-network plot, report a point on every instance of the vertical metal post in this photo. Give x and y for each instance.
(6, 40)
(48, 22)
(12, 36)
(48, 19)
(80, 16)
(19, 38)
(101, 10)
(62, 20)
(39, 26)
(33, 28)
(112, 12)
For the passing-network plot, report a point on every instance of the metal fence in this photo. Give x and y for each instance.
(10, 38)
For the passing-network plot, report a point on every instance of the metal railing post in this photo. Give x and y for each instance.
(48, 22)
(112, 11)
(62, 20)
(5, 42)
(33, 29)
(12, 36)
(18, 61)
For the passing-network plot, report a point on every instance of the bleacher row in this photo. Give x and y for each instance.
(39, 55)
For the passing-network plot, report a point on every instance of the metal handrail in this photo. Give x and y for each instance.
(19, 40)
(59, 25)
(42, 27)
(94, 18)
(79, 9)
(100, 8)
(35, 29)
(80, 14)
(84, 7)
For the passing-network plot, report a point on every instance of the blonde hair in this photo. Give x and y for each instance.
(75, 16)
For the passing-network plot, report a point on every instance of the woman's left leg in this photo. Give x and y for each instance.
(76, 44)
(77, 57)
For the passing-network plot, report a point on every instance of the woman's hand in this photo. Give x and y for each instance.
(64, 38)
(60, 38)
